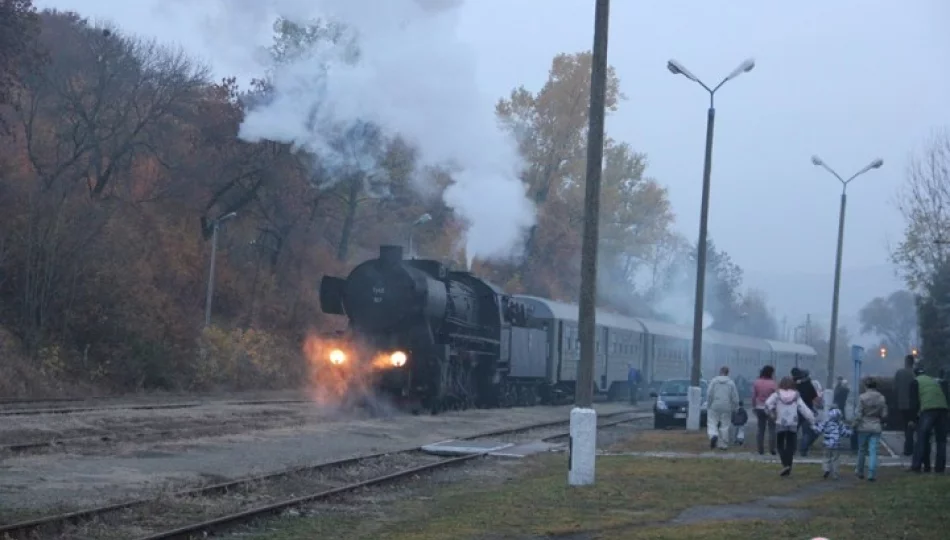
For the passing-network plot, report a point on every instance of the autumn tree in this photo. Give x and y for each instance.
(104, 105)
(551, 129)
(755, 318)
(925, 206)
(934, 315)
(19, 28)
(892, 318)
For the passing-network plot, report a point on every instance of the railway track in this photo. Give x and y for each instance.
(184, 515)
(146, 407)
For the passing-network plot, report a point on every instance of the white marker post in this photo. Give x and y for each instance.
(694, 400)
(583, 446)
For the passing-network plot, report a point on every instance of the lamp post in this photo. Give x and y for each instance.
(423, 219)
(583, 422)
(695, 396)
(833, 339)
(214, 251)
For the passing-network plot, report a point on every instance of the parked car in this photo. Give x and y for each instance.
(672, 404)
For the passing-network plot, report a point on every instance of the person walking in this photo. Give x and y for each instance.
(930, 400)
(723, 399)
(809, 394)
(787, 409)
(841, 394)
(834, 429)
(762, 388)
(633, 382)
(903, 379)
(869, 423)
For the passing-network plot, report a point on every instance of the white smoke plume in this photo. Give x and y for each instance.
(414, 78)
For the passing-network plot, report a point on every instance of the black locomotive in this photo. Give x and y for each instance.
(434, 336)
(447, 339)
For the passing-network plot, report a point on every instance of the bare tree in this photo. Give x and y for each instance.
(925, 205)
(102, 104)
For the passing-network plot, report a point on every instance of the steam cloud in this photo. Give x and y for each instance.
(413, 78)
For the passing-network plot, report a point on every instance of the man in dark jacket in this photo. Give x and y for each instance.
(928, 397)
(841, 394)
(808, 393)
(902, 382)
(633, 382)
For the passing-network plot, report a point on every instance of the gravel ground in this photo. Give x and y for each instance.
(99, 431)
(374, 504)
(150, 398)
(43, 483)
(171, 512)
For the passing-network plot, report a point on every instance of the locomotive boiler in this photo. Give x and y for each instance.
(433, 336)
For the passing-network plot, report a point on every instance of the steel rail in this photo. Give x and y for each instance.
(24, 528)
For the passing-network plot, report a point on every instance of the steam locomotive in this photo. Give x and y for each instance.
(444, 339)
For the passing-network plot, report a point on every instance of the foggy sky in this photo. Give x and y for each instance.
(850, 80)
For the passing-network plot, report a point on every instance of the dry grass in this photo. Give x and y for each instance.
(630, 493)
(897, 506)
(664, 441)
(693, 443)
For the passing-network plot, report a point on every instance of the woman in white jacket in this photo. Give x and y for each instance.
(787, 408)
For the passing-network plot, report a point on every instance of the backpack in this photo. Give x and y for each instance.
(786, 414)
(820, 398)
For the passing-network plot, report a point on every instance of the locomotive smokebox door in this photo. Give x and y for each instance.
(390, 255)
(331, 295)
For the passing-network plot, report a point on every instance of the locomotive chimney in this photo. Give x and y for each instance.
(390, 255)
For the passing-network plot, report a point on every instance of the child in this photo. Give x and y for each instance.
(739, 419)
(834, 429)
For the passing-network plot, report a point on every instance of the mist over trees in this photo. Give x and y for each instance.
(894, 319)
(117, 156)
(922, 255)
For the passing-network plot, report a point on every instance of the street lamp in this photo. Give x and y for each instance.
(695, 396)
(214, 250)
(833, 340)
(423, 219)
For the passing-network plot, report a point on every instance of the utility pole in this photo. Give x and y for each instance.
(583, 424)
(695, 392)
(808, 329)
(215, 225)
(833, 337)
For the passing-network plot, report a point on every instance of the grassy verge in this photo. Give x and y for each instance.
(630, 493)
(694, 443)
(897, 506)
(664, 441)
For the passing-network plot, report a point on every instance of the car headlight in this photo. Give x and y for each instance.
(661, 405)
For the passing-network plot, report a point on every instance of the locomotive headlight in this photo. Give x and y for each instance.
(337, 357)
(398, 358)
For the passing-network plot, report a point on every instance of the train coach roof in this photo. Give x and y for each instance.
(783, 347)
(568, 312)
(660, 328)
(736, 340)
